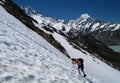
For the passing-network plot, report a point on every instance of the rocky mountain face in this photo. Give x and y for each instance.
(106, 32)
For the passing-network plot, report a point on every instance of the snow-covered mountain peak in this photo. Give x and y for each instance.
(45, 20)
(28, 10)
(84, 16)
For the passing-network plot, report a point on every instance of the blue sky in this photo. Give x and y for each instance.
(106, 10)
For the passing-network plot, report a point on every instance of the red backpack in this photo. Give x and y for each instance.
(81, 60)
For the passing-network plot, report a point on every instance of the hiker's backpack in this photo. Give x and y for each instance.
(81, 60)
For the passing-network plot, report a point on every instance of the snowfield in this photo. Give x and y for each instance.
(25, 57)
(97, 71)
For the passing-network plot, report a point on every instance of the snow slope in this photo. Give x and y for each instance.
(25, 57)
(96, 70)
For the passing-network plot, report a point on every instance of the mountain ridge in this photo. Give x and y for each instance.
(84, 24)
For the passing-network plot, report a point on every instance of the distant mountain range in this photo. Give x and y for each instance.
(106, 32)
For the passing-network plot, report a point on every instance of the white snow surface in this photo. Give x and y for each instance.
(97, 71)
(117, 27)
(84, 16)
(25, 57)
(95, 26)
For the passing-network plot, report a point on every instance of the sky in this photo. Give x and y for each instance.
(105, 10)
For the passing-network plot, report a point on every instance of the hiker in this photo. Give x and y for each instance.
(80, 64)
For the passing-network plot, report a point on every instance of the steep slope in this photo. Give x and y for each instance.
(96, 70)
(25, 57)
(16, 11)
(94, 62)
